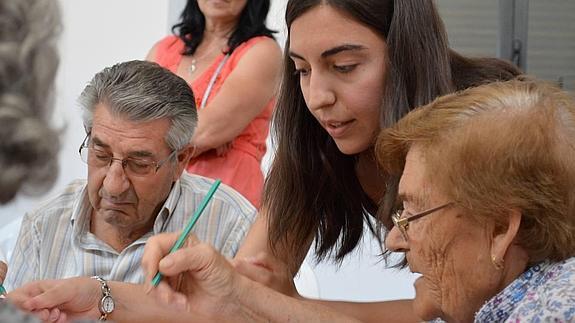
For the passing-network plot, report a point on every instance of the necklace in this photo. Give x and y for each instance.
(193, 67)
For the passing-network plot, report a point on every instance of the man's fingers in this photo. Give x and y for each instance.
(55, 315)
(20, 296)
(62, 318)
(43, 314)
(50, 297)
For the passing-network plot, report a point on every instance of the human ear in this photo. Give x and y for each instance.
(503, 238)
(182, 160)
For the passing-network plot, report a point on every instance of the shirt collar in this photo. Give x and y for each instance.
(498, 308)
(168, 208)
(81, 209)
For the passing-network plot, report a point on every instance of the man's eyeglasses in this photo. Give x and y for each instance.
(132, 166)
(402, 223)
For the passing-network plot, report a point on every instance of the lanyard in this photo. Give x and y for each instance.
(213, 81)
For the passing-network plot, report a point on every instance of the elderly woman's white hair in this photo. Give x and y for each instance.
(28, 63)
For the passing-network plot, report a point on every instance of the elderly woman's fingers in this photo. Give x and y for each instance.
(205, 268)
(199, 258)
(164, 294)
(178, 282)
(156, 248)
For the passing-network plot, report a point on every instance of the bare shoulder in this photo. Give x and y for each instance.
(267, 44)
(265, 49)
(151, 56)
(165, 42)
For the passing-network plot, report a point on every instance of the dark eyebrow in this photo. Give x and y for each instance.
(332, 51)
(338, 49)
(134, 154)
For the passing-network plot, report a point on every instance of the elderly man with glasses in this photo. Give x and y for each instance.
(139, 119)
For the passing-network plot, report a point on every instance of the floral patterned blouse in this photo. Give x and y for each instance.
(544, 293)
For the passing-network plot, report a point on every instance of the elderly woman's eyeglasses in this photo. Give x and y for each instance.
(132, 166)
(402, 223)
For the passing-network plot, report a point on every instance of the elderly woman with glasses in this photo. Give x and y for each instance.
(485, 206)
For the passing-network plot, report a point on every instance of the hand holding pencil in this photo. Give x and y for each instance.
(208, 280)
(184, 235)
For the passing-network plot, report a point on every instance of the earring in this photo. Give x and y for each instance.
(497, 263)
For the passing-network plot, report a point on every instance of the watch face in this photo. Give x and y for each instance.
(107, 304)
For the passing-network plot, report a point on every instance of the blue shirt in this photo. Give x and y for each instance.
(544, 293)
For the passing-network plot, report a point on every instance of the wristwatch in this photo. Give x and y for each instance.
(106, 305)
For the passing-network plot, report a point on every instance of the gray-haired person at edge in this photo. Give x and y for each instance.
(351, 68)
(29, 145)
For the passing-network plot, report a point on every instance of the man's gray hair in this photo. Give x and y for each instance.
(28, 62)
(142, 91)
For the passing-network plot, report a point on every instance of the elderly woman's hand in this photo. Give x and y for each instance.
(198, 279)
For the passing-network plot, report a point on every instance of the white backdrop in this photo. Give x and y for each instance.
(100, 33)
(96, 34)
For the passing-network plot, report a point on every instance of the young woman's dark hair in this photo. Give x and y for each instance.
(312, 190)
(251, 24)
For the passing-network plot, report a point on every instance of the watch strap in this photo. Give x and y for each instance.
(106, 293)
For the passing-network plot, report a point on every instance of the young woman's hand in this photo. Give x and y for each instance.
(269, 271)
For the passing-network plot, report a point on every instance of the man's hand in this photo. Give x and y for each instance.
(59, 300)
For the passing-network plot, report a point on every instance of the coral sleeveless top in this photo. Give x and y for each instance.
(240, 167)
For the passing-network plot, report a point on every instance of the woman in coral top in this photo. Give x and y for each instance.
(231, 61)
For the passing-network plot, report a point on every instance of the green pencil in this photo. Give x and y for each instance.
(180, 242)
